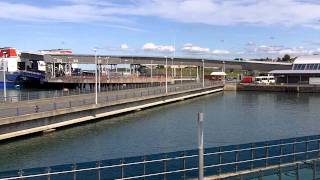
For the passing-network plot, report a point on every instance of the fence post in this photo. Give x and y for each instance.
(252, 155)
(267, 155)
(184, 165)
(200, 143)
(99, 173)
(17, 111)
(122, 169)
(144, 166)
(314, 172)
(49, 176)
(74, 168)
(297, 171)
(165, 168)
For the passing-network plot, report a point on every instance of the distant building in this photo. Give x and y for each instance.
(56, 51)
(305, 70)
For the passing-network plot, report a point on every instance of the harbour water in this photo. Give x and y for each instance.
(230, 118)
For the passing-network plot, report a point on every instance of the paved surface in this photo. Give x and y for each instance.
(51, 104)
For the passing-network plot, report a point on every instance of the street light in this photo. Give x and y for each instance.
(4, 77)
(96, 75)
(202, 73)
(166, 74)
(99, 73)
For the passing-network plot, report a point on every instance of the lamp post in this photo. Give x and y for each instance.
(99, 74)
(166, 74)
(151, 75)
(96, 75)
(202, 73)
(4, 77)
(180, 72)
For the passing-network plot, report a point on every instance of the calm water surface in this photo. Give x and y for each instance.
(230, 118)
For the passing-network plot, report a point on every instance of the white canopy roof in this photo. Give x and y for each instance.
(218, 74)
(315, 59)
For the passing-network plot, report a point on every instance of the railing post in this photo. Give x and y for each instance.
(144, 166)
(49, 176)
(165, 168)
(237, 159)
(184, 165)
(279, 173)
(267, 155)
(200, 143)
(122, 169)
(17, 110)
(314, 172)
(74, 168)
(98, 170)
(294, 150)
(252, 156)
(220, 161)
(297, 171)
(20, 173)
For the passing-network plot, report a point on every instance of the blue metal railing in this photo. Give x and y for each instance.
(184, 164)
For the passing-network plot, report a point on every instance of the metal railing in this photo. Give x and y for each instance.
(218, 161)
(108, 98)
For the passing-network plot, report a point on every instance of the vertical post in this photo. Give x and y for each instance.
(151, 73)
(144, 166)
(4, 80)
(197, 80)
(314, 167)
(166, 75)
(180, 72)
(184, 165)
(74, 172)
(200, 141)
(96, 76)
(98, 170)
(202, 73)
(99, 77)
(297, 171)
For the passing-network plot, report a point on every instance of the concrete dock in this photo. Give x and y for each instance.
(22, 118)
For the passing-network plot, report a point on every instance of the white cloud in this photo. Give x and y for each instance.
(124, 47)
(190, 48)
(214, 12)
(220, 52)
(158, 48)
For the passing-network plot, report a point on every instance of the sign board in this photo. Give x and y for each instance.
(3, 65)
(314, 80)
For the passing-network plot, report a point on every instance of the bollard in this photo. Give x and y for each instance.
(200, 143)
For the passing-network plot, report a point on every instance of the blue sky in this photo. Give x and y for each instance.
(198, 28)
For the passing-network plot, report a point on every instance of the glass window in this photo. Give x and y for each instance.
(315, 67)
(302, 66)
(296, 66)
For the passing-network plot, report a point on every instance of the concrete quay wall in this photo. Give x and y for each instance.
(40, 122)
(279, 88)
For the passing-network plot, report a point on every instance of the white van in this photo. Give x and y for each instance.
(264, 80)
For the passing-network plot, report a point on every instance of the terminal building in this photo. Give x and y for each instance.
(305, 70)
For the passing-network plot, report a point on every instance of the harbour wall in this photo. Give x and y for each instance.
(298, 88)
(12, 127)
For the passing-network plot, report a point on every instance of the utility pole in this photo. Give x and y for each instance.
(203, 73)
(166, 75)
(96, 75)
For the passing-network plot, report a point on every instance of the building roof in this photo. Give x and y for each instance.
(218, 74)
(295, 71)
(315, 59)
